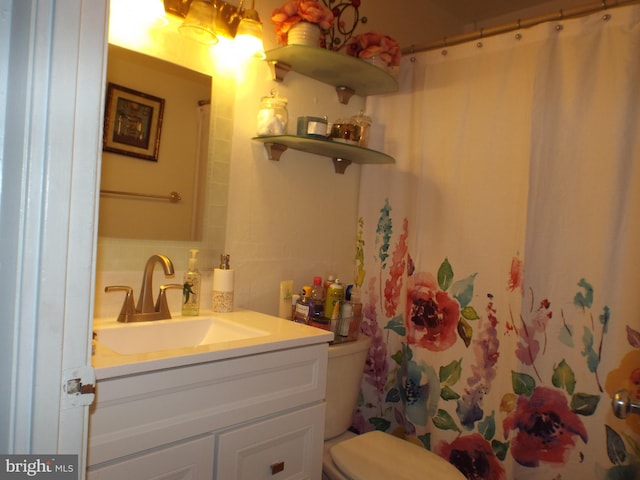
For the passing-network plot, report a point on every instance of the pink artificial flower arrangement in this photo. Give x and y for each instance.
(294, 11)
(375, 44)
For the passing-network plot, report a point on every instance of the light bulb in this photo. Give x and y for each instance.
(249, 37)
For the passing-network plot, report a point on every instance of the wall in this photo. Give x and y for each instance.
(295, 218)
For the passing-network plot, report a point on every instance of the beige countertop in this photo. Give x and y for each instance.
(274, 334)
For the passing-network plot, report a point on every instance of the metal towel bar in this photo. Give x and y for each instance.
(173, 197)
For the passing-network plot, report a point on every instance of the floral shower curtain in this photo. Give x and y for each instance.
(499, 258)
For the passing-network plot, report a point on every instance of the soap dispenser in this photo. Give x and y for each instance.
(191, 286)
(223, 279)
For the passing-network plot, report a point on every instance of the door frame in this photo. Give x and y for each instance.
(50, 147)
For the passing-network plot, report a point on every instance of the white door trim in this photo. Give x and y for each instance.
(50, 181)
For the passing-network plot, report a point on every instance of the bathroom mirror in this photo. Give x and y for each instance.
(156, 149)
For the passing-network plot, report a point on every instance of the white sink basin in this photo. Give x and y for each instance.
(154, 336)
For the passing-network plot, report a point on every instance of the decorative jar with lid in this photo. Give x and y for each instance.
(362, 123)
(273, 116)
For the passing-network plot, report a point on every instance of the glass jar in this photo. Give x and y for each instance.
(362, 123)
(273, 116)
(343, 131)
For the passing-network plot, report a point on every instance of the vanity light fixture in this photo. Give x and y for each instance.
(207, 20)
(199, 23)
(249, 34)
(141, 14)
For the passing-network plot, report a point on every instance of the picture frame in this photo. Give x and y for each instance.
(132, 123)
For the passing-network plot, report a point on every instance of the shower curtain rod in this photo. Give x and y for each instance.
(563, 14)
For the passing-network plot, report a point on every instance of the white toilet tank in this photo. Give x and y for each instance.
(344, 374)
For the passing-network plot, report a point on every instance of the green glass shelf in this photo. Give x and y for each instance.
(333, 68)
(343, 154)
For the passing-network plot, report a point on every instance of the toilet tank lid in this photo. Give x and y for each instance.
(349, 348)
(377, 455)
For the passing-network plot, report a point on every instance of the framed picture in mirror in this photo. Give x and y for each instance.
(132, 123)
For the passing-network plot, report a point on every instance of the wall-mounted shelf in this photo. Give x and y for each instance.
(350, 75)
(343, 154)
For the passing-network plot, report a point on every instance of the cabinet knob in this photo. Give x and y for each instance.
(277, 467)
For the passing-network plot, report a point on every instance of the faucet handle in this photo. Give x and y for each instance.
(128, 306)
(161, 304)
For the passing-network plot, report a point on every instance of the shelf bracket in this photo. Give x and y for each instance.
(344, 94)
(340, 164)
(279, 70)
(274, 150)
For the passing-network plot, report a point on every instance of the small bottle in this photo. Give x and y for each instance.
(317, 296)
(223, 279)
(284, 303)
(356, 310)
(191, 286)
(335, 297)
(304, 308)
(294, 301)
(346, 316)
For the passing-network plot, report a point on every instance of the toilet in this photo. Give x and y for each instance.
(373, 455)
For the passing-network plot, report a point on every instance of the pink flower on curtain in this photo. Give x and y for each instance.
(432, 315)
(376, 366)
(529, 346)
(486, 352)
(516, 275)
(473, 456)
(393, 285)
(546, 428)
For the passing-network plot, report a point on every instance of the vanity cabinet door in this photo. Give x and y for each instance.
(287, 446)
(189, 460)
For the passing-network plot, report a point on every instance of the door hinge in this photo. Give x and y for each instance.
(78, 387)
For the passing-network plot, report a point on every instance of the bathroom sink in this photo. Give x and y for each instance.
(154, 336)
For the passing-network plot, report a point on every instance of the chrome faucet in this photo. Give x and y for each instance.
(147, 309)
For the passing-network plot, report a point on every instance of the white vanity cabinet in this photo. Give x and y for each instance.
(253, 417)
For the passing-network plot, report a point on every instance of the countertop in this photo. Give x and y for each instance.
(280, 334)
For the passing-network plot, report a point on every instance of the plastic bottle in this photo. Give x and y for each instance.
(317, 296)
(304, 308)
(191, 286)
(223, 279)
(346, 316)
(327, 283)
(294, 301)
(356, 309)
(284, 303)
(335, 297)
